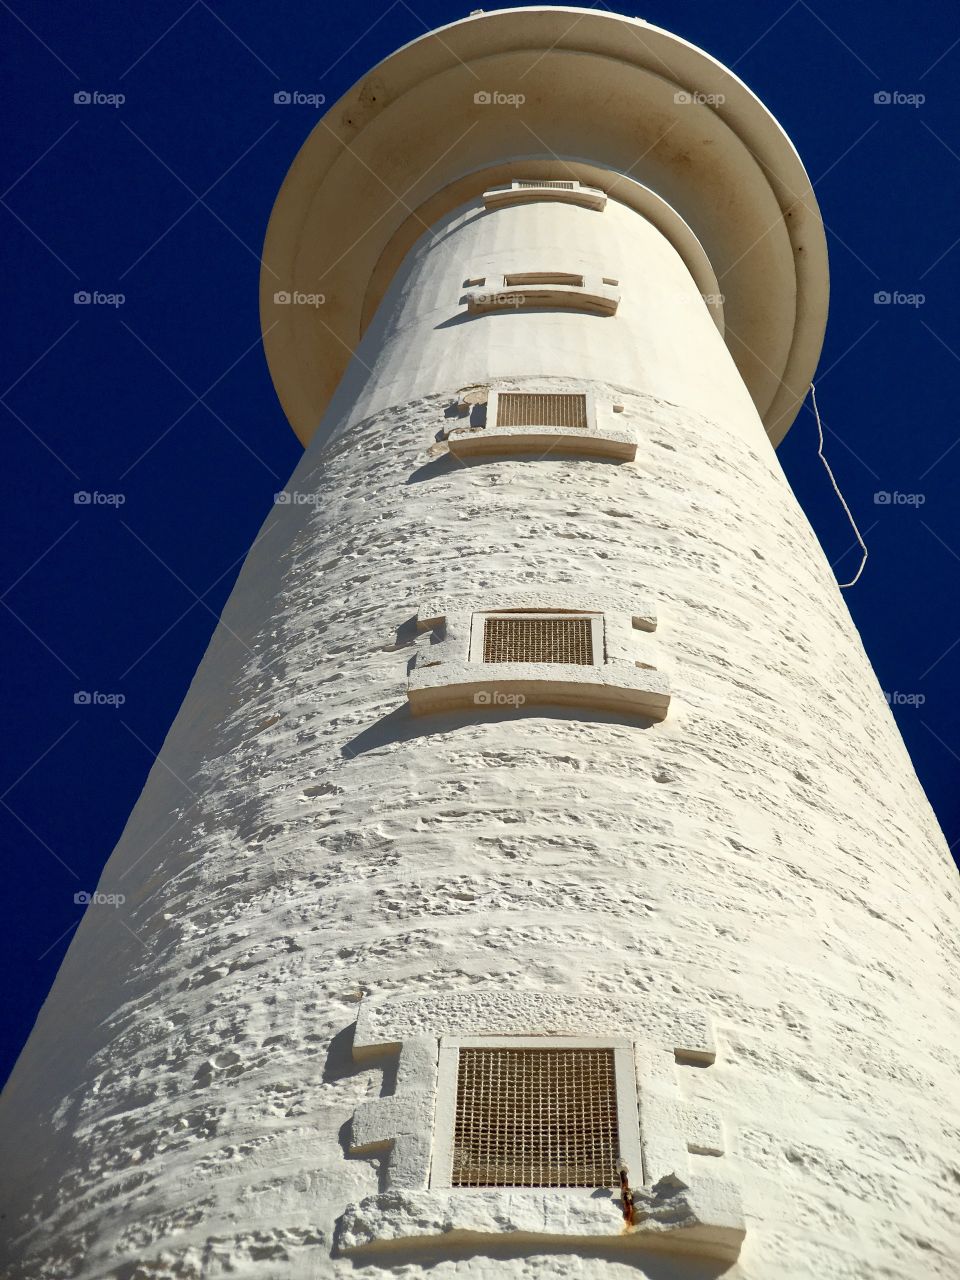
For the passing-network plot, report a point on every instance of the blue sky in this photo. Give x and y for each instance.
(161, 405)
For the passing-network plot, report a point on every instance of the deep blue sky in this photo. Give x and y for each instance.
(166, 199)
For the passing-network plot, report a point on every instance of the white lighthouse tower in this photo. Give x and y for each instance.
(551, 894)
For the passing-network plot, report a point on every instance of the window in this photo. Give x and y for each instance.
(543, 277)
(544, 182)
(544, 290)
(546, 1112)
(504, 651)
(575, 640)
(535, 409)
(549, 423)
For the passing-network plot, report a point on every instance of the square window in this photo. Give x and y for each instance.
(570, 639)
(535, 1113)
(534, 409)
(543, 277)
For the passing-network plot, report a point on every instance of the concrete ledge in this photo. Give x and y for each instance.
(472, 442)
(666, 1025)
(703, 1218)
(494, 686)
(586, 197)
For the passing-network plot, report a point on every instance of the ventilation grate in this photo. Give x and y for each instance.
(530, 409)
(536, 1118)
(520, 639)
(543, 277)
(557, 186)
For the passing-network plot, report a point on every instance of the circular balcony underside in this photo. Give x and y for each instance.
(586, 94)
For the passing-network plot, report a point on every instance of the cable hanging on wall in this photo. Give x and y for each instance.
(836, 488)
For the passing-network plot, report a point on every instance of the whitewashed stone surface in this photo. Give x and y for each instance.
(765, 856)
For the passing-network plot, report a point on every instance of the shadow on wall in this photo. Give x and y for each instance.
(447, 464)
(400, 726)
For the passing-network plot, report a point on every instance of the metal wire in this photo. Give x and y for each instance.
(536, 1118)
(520, 639)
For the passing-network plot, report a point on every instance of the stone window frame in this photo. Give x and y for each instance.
(597, 439)
(446, 677)
(518, 192)
(625, 1088)
(680, 1204)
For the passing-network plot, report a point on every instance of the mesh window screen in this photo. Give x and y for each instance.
(530, 409)
(562, 186)
(536, 1118)
(543, 277)
(520, 639)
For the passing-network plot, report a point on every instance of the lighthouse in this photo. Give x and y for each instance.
(553, 894)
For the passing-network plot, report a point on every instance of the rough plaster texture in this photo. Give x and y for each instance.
(765, 855)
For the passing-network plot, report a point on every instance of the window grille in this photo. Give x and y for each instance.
(536, 1118)
(538, 639)
(543, 277)
(557, 186)
(531, 409)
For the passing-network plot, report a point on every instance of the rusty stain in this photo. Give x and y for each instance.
(626, 1199)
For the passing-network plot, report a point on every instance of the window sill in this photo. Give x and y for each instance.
(602, 301)
(473, 442)
(703, 1217)
(499, 686)
(585, 197)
